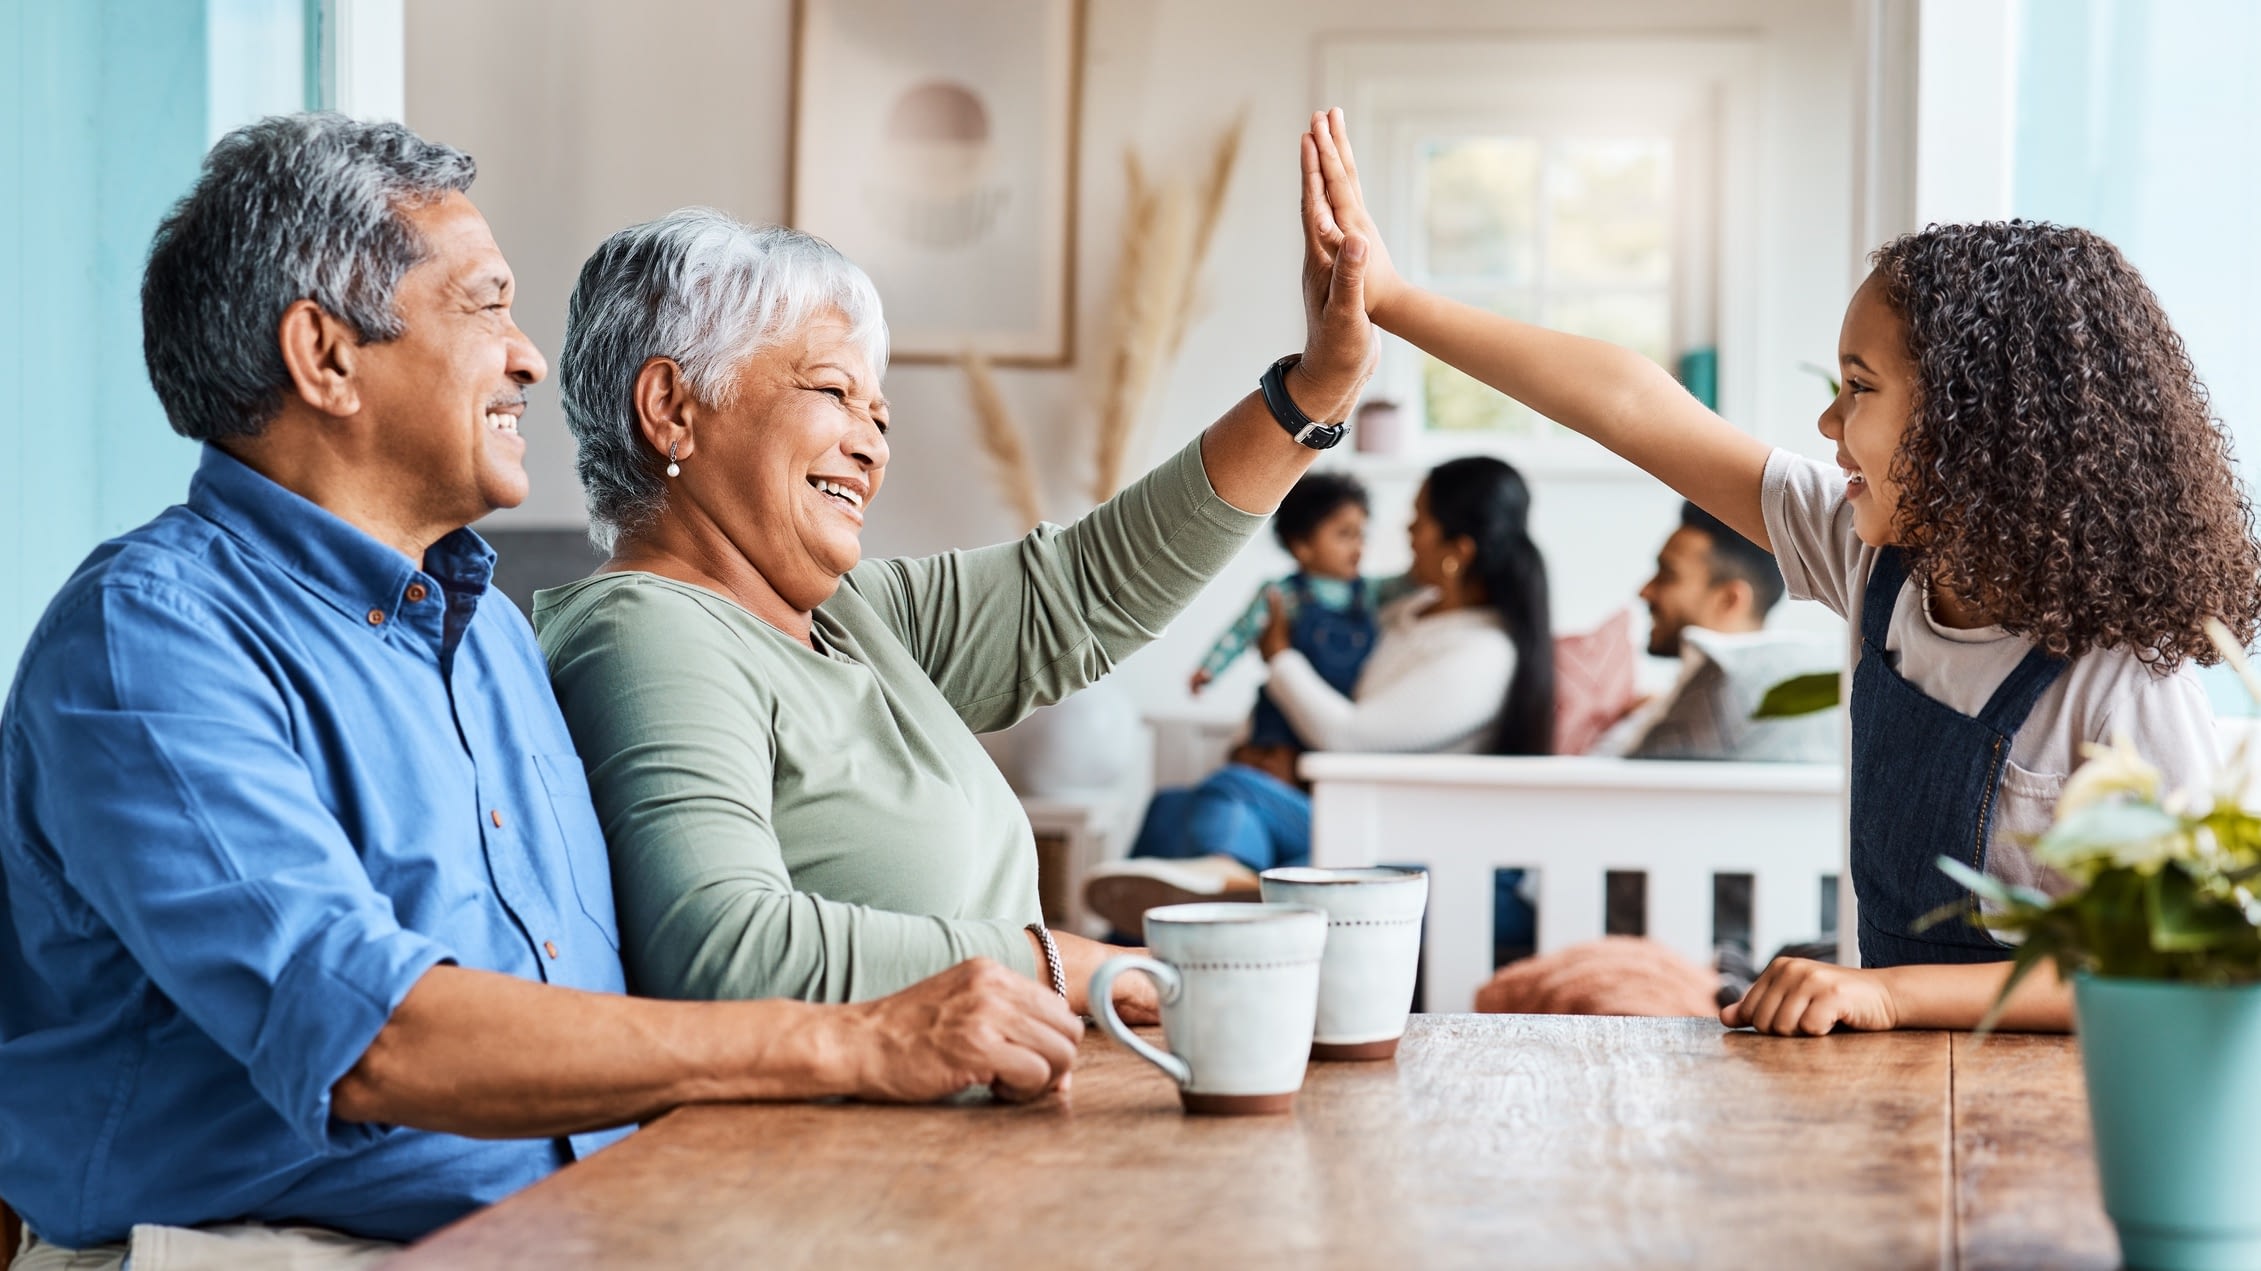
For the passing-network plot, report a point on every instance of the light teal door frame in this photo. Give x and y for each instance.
(106, 109)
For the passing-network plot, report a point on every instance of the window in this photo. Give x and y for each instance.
(1578, 184)
(1573, 233)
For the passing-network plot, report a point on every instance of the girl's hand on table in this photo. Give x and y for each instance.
(1798, 997)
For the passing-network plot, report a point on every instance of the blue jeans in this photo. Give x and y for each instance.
(1251, 816)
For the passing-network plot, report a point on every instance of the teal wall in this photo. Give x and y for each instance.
(2141, 120)
(106, 106)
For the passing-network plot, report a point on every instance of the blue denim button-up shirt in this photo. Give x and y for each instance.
(258, 773)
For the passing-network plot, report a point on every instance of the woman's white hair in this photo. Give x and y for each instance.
(706, 292)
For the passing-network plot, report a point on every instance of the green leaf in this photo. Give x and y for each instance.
(2185, 920)
(1989, 888)
(1799, 695)
(2102, 826)
(2029, 956)
(1949, 912)
(2112, 926)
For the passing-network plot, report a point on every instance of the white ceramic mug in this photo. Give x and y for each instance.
(1239, 985)
(1373, 952)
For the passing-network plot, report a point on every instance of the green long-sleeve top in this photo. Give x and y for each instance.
(789, 822)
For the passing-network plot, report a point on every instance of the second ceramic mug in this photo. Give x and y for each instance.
(1373, 952)
(1239, 985)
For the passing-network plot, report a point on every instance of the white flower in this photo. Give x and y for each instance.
(2114, 772)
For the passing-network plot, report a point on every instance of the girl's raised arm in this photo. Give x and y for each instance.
(1611, 394)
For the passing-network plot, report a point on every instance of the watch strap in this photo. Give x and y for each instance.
(1306, 430)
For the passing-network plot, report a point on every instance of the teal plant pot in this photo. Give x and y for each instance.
(2174, 1094)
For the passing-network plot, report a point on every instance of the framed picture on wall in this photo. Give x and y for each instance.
(935, 144)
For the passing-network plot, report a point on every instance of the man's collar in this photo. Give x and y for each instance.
(349, 568)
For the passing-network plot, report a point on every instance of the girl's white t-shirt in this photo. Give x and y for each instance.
(1434, 683)
(2104, 693)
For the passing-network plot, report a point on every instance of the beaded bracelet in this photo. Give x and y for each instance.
(1051, 958)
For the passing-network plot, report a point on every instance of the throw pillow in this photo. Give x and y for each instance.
(1593, 683)
(1707, 715)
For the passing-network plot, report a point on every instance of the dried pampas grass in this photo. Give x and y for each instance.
(1001, 439)
(1150, 283)
(1168, 228)
(1167, 232)
(1212, 205)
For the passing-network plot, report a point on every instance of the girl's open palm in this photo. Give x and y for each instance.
(1335, 207)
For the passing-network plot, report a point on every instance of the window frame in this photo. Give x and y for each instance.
(1698, 90)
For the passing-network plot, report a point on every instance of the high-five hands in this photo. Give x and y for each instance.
(1339, 350)
(1334, 211)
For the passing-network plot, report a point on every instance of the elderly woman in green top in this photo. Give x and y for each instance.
(778, 733)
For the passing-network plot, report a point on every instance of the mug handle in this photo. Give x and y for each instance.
(1102, 999)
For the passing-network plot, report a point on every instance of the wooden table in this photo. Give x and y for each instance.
(1492, 1140)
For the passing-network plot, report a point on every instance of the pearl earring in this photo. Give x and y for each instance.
(674, 469)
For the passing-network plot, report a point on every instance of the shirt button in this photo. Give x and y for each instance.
(416, 593)
(495, 815)
(376, 617)
(550, 947)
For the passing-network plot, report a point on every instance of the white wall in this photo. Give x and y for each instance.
(2143, 123)
(586, 116)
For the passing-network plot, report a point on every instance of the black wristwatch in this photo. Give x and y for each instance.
(1306, 430)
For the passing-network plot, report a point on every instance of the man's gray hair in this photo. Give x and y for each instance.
(706, 292)
(291, 208)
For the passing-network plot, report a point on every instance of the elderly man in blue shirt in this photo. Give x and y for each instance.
(309, 934)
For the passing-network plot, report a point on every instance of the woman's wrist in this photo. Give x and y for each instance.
(1324, 396)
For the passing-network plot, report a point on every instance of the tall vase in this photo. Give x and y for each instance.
(2174, 1094)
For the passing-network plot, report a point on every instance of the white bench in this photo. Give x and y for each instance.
(1680, 823)
(1575, 821)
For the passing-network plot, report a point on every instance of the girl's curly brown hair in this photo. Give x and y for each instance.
(2063, 472)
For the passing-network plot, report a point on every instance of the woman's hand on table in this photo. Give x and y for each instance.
(1135, 999)
(1277, 633)
(1799, 997)
(977, 1023)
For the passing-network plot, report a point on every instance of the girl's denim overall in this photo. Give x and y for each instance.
(1924, 781)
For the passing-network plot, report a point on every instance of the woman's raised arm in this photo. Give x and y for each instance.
(1611, 394)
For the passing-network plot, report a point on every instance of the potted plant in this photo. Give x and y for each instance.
(2160, 937)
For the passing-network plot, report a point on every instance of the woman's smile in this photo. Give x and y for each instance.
(843, 494)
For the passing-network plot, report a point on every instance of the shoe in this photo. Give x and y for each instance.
(1122, 891)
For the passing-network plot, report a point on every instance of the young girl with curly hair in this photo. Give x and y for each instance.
(2031, 516)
